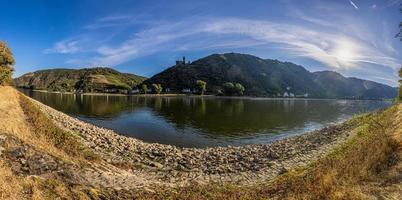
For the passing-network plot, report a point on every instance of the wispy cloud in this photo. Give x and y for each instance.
(64, 47)
(345, 46)
(354, 5)
(325, 47)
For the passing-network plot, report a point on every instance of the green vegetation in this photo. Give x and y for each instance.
(400, 85)
(201, 86)
(265, 77)
(6, 62)
(231, 89)
(144, 88)
(82, 80)
(157, 88)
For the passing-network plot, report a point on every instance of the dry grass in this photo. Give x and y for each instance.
(10, 185)
(339, 175)
(45, 128)
(13, 122)
(19, 118)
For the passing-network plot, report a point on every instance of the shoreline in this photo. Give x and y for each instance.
(198, 96)
(176, 166)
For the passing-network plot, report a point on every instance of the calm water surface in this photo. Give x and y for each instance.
(205, 121)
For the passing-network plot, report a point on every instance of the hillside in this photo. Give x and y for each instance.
(85, 80)
(335, 85)
(267, 78)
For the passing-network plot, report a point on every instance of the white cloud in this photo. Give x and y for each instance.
(342, 45)
(331, 49)
(63, 47)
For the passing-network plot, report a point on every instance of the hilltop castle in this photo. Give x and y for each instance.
(182, 62)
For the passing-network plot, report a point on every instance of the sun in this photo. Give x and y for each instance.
(344, 54)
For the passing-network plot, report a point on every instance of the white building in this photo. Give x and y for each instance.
(186, 90)
(135, 91)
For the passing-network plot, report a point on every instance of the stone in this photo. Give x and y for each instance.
(156, 164)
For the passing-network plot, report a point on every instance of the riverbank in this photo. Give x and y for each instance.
(171, 165)
(126, 166)
(202, 96)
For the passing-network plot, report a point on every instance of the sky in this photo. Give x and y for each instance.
(353, 37)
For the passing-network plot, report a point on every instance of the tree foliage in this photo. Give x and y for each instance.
(231, 89)
(400, 85)
(144, 88)
(201, 86)
(239, 88)
(157, 88)
(6, 63)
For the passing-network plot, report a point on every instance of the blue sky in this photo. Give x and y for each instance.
(355, 38)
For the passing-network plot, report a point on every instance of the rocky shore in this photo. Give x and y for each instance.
(168, 165)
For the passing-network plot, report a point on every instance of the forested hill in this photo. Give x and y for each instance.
(266, 77)
(85, 80)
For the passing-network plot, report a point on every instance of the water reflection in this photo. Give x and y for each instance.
(204, 121)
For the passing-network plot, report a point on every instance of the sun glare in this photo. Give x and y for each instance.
(345, 53)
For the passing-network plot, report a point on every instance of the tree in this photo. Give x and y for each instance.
(239, 88)
(201, 86)
(157, 88)
(400, 85)
(228, 88)
(144, 88)
(6, 63)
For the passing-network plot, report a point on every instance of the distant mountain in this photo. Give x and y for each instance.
(266, 77)
(86, 80)
(335, 85)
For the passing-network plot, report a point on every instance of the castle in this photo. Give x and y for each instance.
(182, 62)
